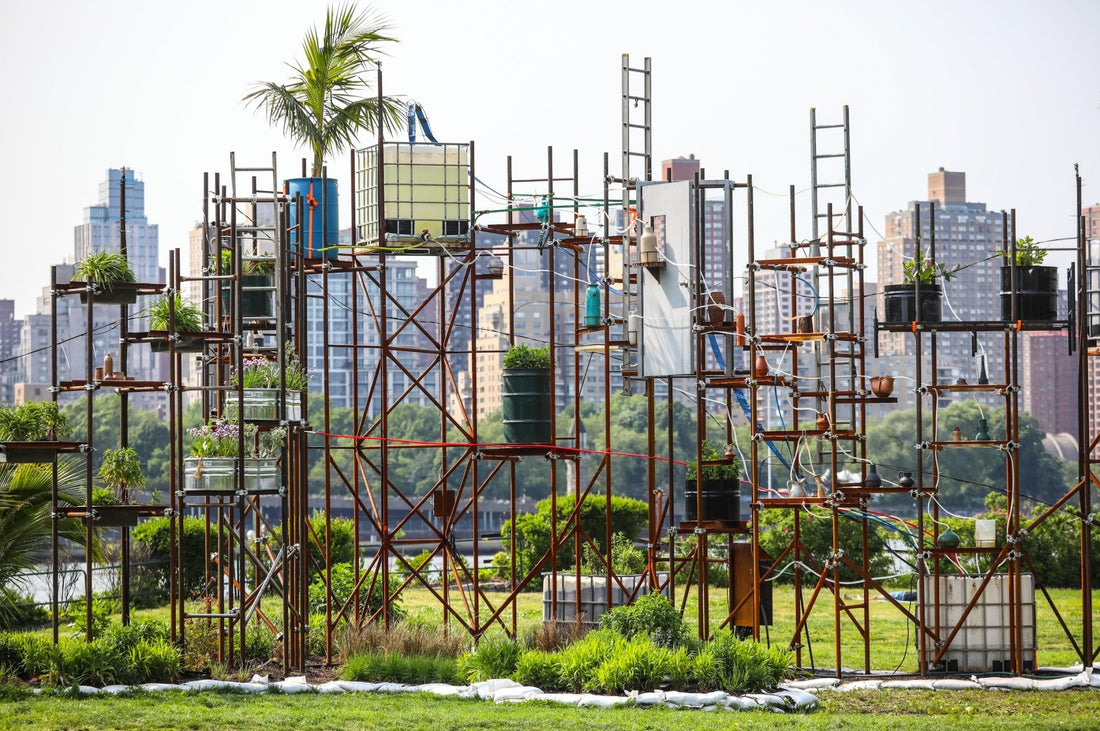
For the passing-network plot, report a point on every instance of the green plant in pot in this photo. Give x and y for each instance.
(30, 422)
(525, 396)
(174, 314)
(261, 380)
(714, 483)
(120, 472)
(104, 271)
(901, 299)
(1036, 286)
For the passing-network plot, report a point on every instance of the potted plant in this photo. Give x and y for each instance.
(525, 396)
(30, 432)
(325, 105)
(1036, 286)
(104, 271)
(900, 300)
(712, 491)
(174, 315)
(216, 457)
(120, 471)
(261, 382)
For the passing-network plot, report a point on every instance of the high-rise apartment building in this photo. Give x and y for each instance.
(9, 340)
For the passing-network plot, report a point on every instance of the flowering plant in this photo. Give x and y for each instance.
(221, 439)
(259, 372)
(215, 440)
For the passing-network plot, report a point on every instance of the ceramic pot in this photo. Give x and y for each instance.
(882, 386)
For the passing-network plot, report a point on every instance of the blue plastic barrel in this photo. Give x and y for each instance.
(324, 212)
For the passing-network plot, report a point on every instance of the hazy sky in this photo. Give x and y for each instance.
(1008, 92)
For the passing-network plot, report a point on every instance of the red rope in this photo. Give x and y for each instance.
(490, 445)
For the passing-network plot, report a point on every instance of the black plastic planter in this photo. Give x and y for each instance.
(901, 303)
(721, 501)
(1036, 294)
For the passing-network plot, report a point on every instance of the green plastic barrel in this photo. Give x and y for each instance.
(525, 404)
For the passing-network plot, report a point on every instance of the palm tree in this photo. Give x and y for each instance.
(25, 518)
(324, 104)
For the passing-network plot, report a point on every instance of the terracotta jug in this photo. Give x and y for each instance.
(761, 369)
(882, 386)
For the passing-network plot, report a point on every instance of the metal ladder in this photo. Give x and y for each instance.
(633, 106)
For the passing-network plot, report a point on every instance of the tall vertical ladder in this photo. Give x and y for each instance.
(831, 185)
(633, 107)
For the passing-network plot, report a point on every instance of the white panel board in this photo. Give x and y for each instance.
(665, 345)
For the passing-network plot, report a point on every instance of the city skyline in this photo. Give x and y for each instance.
(1006, 97)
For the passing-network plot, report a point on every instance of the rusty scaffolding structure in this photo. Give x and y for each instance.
(258, 537)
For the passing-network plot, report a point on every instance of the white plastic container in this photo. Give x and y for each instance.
(985, 533)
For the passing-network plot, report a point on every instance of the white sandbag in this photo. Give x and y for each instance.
(87, 689)
(568, 699)
(207, 684)
(486, 688)
(115, 689)
(520, 693)
(441, 689)
(285, 686)
(359, 686)
(683, 700)
(395, 688)
(1008, 683)
(332, 686)
(260, 678)
(158, 687)
(253, 688)
(601, 701)
(800, 698)
(956, 684)
(859, 685)
(911, 684)
(714, 698)
(767, 699)
(651, 698)
(740, 703)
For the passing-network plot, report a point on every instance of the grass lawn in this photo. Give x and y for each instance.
(886, 710)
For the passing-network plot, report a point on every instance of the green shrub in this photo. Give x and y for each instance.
(371, 594)
(343, 542)
(740, 666)
(532, 530)
(152, 540)
(626, 558)
(652, 616)
(76, 614)
(539, 669)
(20, 610)
(34, 655)
(155, 661)
(578, 662)
(637, 665)
(495, 657)
(392, 667)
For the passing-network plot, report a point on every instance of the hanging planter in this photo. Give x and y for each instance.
(107, 273)
(29, 433)
(525, 396)
(219, 474)
(1036, 294)
(900, 303)
(262, 404)
(712, 492)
